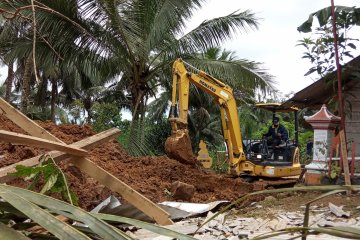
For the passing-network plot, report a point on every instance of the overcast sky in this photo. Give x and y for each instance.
(274, 42)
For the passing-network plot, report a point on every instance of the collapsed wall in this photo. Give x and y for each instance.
(152, 176)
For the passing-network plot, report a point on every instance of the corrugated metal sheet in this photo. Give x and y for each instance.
(177, 210)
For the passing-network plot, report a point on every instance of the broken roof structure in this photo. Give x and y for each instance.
(325, 89)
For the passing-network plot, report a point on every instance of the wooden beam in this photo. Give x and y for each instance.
(88, 143)
(12, 137)
(344, 158)
(129, 194)
(110, 181)
(102, 176)
(24, 122)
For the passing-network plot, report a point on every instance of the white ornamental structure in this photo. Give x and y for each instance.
(324, 124)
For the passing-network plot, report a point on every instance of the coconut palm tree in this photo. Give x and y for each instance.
(143, 38)
(6, 27)
(60, 59)
(137, 40)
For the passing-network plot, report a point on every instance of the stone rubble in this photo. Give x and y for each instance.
(227, 226)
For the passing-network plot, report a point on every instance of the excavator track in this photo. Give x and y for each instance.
(276, 183)
(260, 183)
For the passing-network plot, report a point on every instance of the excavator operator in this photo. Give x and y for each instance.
(278, 133)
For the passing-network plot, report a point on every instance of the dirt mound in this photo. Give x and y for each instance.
(6, 124)
(67, 133)
(151, 176)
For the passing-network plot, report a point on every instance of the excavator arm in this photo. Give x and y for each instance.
(223, 96)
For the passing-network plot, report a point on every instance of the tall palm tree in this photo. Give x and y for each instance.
(137, 40)
(58, 30)
(142, 38)
(159, 27)
(9, 81)
(5, 29)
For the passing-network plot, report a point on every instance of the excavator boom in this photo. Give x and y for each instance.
(178, 145)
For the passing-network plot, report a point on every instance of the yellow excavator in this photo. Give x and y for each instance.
(243, 159)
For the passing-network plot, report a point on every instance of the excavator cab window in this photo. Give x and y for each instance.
(261, 152)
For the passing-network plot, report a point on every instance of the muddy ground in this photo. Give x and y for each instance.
(151, 176)
(295, 202)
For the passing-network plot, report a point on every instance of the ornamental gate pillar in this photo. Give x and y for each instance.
(324, 123)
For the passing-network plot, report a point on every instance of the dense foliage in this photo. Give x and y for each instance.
(320, 49)
(78, 61)
(74, 54)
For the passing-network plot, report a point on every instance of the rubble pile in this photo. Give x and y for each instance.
(231, 226)
(152, 176)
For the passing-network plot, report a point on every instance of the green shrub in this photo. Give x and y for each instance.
(105, 116)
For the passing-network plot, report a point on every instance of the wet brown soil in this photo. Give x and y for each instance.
(179, 148)
(152, 176)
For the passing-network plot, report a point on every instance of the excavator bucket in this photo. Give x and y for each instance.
(178, 147)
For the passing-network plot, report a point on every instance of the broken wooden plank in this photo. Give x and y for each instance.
(147, 206)
(87, 143)
(12, 137)
(128, 193)
(338, 211)
(344, 158)
(24, 122)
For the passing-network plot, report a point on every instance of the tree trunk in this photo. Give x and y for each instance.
(87, 101)
(9, 81)
(40, 99)
(53, 98)
(25, 91)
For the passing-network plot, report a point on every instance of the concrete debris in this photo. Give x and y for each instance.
(231, 226)
(217, 222)
(338, 211)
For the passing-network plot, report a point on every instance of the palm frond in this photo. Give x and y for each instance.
(168, 17)
(212, 33)
(159, 106)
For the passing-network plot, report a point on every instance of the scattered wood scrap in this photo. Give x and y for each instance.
(338, 211)
(11, 137)
(345, 159)
(84, 164)
(88, 144)
(24, 122)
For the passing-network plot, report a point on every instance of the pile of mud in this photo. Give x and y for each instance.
(151, 176)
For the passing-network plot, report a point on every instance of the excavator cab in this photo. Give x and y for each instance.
(285, 154)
